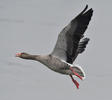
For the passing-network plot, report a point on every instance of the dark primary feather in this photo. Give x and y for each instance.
(82, 45)
(68, 39)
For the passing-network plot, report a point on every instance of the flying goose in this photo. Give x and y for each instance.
(70, 43)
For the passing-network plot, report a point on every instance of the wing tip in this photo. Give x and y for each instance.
(90, 10)
(83, 12)
(84, 9)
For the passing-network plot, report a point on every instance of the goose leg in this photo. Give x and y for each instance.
(75, 73)
(75, 82)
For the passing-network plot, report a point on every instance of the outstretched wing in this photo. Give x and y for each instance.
(69, 37)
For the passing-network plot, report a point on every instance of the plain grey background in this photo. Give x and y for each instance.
(33, 26)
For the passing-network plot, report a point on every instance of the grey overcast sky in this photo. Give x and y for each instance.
(32, 26)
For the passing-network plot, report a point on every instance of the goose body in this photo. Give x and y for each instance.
(59, 65)
(70, 44)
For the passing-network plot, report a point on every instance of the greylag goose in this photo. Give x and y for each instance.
(70, 43)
